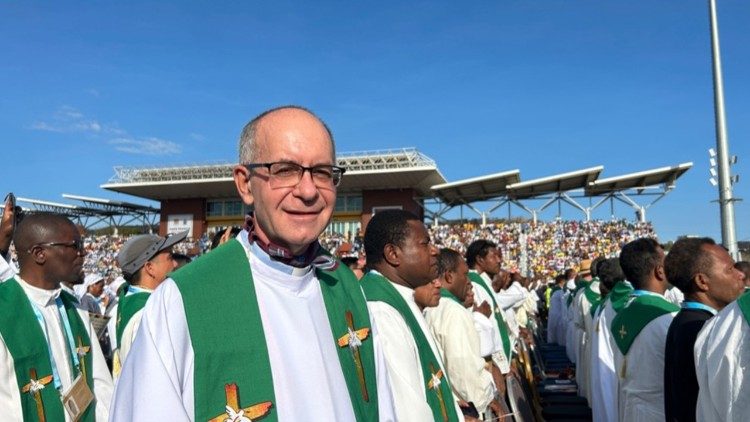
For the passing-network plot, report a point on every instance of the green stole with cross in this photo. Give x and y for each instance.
(499, 316)
(440, 398)
(629, 322)
(24, 338)
(237, 373)
(128, 305)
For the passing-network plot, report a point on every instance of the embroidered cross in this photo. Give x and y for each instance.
(353, 339)
(622, 331)
(234, 413)
(434, 384)
(35, 387)
(81, 351)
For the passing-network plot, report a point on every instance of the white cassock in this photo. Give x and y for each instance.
(7, 269)
(112, 325)
(489, 341)
(722, 354)
(556, 318)
(603, 378)
(307, 378)
(641, 390)
(453, 328)
(674, 295)
(584, 323)
(569, 325)
(402, 358)
(481, 296)
(10, 396)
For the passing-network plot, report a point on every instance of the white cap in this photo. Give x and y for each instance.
(91, 279)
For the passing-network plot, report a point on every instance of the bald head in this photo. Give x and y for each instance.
(250, 147)
(38, 228)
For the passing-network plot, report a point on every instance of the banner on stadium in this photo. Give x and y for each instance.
(180, 222)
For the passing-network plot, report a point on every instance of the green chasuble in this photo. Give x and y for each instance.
(641, 310)
(27, 345)
(237, 373)
(127, 306)
(499, 314)
(438, 391)
(744, 303)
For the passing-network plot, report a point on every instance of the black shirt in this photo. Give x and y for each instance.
(680, 382)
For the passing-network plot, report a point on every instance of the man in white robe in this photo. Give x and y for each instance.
(722, 355)
(288, 174)
(556, 317)
(50, 250)
(451, 324)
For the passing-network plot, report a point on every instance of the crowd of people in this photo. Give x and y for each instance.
(430, 326)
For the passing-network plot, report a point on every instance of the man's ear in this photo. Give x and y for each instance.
(38, 254)
(392, 254)
(701, 282)
(242, 182)
(659, 272)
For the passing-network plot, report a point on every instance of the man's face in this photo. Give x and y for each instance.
(428, 295)
(469, 299)
(461, 283)
(63, 262)
(491, 262)
(725, 282)
(161, 265)
(295, 216)
(418, 257)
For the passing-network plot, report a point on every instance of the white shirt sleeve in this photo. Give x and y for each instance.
(101, 377)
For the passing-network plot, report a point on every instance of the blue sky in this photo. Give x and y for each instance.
(481, 87)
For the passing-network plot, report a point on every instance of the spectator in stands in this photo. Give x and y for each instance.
(640, 330)
(50, 250)
(704, 272)
(401, 258)
(452, 325)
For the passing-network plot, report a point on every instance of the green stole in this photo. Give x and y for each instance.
(221, 304)
(581, 284)
(25, 341)
(744, 303)
(127, 306)
(499, 315)
(378, 289)
(635, 316)
(593, 297)
(619, 295)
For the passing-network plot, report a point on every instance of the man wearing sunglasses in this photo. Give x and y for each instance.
(51, 367)
(267, 324)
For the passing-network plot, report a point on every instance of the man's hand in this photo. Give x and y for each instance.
(6, 227)
(483, 309)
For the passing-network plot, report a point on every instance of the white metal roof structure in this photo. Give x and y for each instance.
(556, 184)
(404, 168)
(476, 189)
(638, 181)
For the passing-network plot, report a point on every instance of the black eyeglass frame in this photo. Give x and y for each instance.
(337, 172)
(77, 244)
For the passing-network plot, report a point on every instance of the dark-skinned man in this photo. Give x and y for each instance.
(704, 273)
(640, 331)
(400, 259)
(452, 325)
(51, 365)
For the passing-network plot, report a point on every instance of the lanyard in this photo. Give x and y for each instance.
(697, 305)
(136, 289)
(644, 293)
(68, 334)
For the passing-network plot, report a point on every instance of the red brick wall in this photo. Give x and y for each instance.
(196, 207)
(384, 198)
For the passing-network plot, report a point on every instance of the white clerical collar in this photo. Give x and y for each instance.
(266, 259)
(40, 297)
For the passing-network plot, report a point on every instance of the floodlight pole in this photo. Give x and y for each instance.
(726, 201)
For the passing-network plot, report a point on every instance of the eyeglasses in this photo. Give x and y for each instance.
(77, 244)
(287, 175)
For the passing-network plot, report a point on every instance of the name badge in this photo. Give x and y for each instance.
(77, 398)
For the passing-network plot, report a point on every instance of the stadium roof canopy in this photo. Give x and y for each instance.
(96, 210)
(638, 182)
(476, 189)
(404, 168)
(553, 184)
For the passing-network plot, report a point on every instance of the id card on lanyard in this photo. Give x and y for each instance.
(68, 334)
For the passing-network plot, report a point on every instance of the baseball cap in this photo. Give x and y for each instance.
(139, 249)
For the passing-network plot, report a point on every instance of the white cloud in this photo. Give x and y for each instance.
(197, 137)
(67, 119)
(93, 92)
(146, 146)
